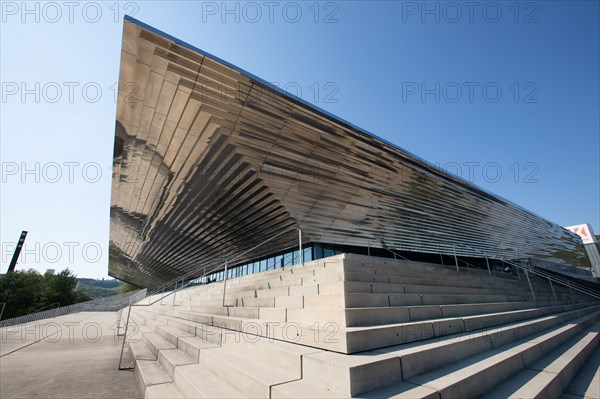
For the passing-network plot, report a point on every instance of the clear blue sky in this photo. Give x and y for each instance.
(495, 88)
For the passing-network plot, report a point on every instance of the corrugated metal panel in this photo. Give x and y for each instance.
(210, 161)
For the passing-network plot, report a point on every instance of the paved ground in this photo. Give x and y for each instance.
(72, 356)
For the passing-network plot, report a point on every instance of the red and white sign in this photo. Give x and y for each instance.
(584, 231)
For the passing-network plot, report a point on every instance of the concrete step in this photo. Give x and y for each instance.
(149, 373)
(381, 266)
(367, 338)
(586, 383)
(169, 359)
(552, 374)
(183, 325)
(252, 376)
(477, 374)
(361, 372)
(268, 302)
(197, 381)
(172, 334)
(289, 302)
(155, 343)
(280, 355)
(193, 346)
(163, 391)
(218, 310)
(197, 318)
(303, 389)
(140, 351)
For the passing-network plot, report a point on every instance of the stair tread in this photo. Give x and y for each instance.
(158, 341)
(587, 381)
(402, 390)
(451, 376)
(152, 372)
(176, 357)
(395, 325)
(259, 370)
(205, 383)
(163, 391)
(542, 373)
(467, 368)
(140, 351)
(303, 389)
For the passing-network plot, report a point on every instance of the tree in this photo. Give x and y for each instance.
(26, 292)
(20, 291)
(82, 296)
(128, 288)
(59, 288)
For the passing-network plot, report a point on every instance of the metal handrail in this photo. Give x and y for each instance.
(482, 253)
(565, 282)
(396, 254)
(527, 269)
(110, 303)
(197, 274)
(206, 273)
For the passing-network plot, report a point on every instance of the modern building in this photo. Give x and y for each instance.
(210, 161)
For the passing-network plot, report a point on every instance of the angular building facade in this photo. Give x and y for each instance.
(211, 161)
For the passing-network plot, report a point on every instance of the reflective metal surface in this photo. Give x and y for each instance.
(210, 160)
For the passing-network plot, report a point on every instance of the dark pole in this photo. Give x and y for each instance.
(13, 262)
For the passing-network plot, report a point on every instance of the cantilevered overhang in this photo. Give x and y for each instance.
(210, 161)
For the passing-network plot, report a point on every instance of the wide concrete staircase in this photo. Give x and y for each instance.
(358, 326)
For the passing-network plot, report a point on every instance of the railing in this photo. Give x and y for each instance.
(106, 304)
(556, 267)
(519, 268)
(544, 275)
(192, 277)
(393, 252)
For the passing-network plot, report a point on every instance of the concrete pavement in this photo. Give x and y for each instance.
(72, 356)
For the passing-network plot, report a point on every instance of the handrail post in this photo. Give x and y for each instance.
(300, 247)
(369, 248)
(551, 286)
(488, 265)
(124, 337)
(455, 258)
(224, 282)
(530, 286)
(174, 293)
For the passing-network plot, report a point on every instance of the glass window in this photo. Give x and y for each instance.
(318, 252)
(307, 254)
(288, 259)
